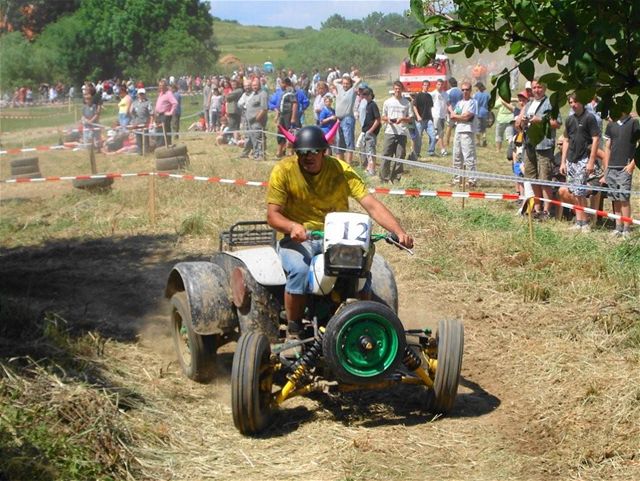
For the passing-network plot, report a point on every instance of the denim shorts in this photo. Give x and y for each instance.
(296, 258)
(346, 133)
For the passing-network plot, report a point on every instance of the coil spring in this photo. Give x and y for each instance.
(307, 360)
(411, 360)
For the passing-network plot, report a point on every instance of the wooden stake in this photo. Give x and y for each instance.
(531, 203)
(152, 199)
(92, 158)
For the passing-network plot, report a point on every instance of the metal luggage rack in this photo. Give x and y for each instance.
(247, 233)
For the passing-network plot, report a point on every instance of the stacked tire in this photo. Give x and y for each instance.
(101, 184)
(27, 168)
(173, 157)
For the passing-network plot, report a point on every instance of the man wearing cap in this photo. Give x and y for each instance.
(141, 117)
(422, 105)
(302, 190)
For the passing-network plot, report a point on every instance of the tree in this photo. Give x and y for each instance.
(31, 16)
(339, 22)
(335, 47)
(592, 44)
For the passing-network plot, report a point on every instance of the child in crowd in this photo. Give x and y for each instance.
(199, 125)
(215, 110)
(327, 116)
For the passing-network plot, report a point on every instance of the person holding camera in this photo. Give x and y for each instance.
(539, 157)
(396, 114)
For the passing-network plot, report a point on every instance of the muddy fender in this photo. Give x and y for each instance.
(208, 293)
(383, 283)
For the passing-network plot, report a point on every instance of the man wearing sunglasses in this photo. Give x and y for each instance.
(303, 188)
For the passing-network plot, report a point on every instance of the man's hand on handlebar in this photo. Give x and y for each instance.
(298, 232)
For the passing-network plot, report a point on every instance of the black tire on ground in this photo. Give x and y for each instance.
(251, 384)
(450, 339)
(26, 162)
(171, 163)
(93, 184)
(32, 175)
(343, 343)
(171, 151)
(196, 353)
(27, 169)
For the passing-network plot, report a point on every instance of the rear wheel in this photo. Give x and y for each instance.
(450, 339)
(196, 353)
(363, 342)
(251, 383)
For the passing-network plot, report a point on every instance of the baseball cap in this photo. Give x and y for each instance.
(363, 85)
(141, 91)
(524, 94)
(527, 84)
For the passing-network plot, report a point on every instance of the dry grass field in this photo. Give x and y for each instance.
(89, 388)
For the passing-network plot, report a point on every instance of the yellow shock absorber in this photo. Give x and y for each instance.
(290, 386)
(422, 374)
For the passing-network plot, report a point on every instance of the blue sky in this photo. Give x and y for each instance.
(301, 13)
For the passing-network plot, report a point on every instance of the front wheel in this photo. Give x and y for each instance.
(450, 339)
(363, 342)
(251, 383)
(196, 353)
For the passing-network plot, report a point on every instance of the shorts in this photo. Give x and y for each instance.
(538, 164)
(286, 124)
(577, 177)
(619, 180)
(296, 259)
(346, 133)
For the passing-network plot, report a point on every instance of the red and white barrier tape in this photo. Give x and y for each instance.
(374, 190)
(40, 148)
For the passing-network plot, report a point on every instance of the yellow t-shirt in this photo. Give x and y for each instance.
(123, 105)
(306, 198)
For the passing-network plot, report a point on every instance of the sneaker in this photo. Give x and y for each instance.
(455, 182)
(432, 154)
(576, 228)
(444, 152)
(544, 215)
(617, 233)
(472, 184)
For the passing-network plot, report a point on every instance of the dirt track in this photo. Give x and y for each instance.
(500, 429)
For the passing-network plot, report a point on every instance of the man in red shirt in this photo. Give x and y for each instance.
(165, 107)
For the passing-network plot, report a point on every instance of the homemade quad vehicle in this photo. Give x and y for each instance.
(352, 336)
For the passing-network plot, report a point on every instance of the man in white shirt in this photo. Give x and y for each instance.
(439, 113)
(396, 114)
(464, 146)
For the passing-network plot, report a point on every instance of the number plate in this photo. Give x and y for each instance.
(347, 228)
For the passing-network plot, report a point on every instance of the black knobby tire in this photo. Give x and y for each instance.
(196, 353)
(341, 344)
(27, 169)
(171, 151)
(251, 383)
(450, 339)
(171, 163)
(103, 183)
(32, 175)
(26, 162)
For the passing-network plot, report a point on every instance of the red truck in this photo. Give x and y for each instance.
(412, 76)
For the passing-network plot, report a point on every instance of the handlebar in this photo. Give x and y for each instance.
(389, 237)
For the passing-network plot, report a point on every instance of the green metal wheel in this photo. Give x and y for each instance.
(363, 342)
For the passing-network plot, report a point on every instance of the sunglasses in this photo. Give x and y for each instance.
(307, 151)
(465, 90)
